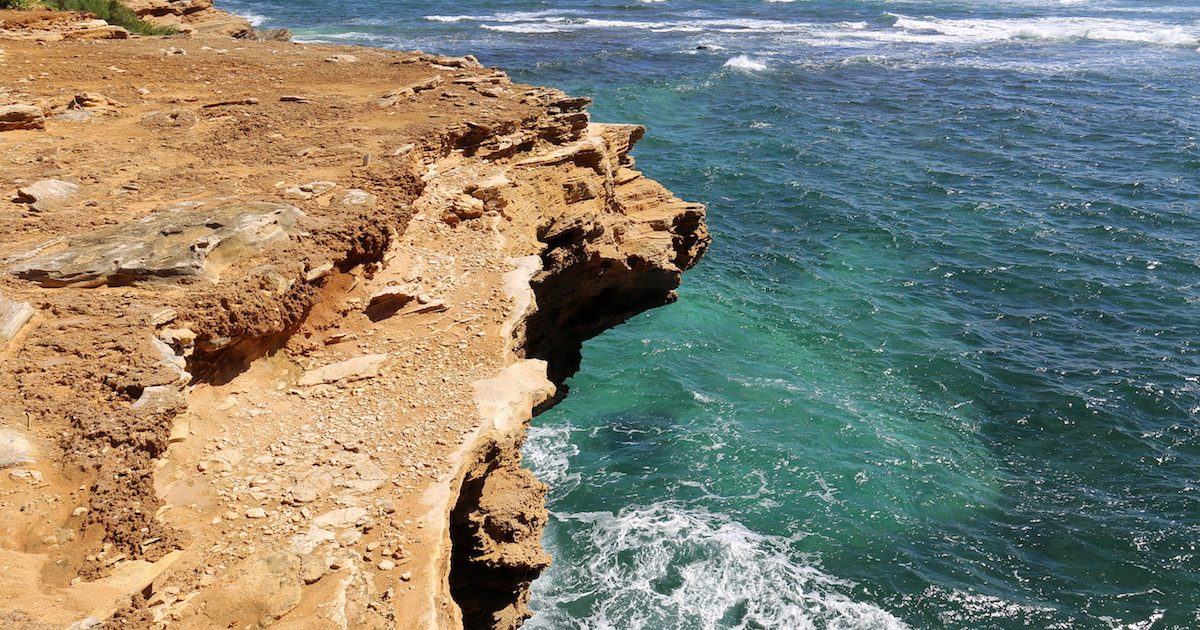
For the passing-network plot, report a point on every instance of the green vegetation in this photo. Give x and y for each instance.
(20, 5)
(110, 11)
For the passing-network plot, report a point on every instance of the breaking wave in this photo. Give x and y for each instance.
(671, 565)
(887, 28)
(745, 62)
(667, 565)
(933, 30)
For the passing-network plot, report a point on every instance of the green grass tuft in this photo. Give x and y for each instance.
(110, 11)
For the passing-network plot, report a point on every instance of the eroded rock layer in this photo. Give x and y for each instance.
(274, 319)
(191, 16)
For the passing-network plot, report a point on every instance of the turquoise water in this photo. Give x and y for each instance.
(939, 369)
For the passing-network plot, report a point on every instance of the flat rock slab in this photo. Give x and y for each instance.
(340, 519)
(15, 450)
(356, 197)
(355, 369)
(99, 32)
(390, 299)
(13, 317)
(310, 190)
(47, 194)
(187, 239)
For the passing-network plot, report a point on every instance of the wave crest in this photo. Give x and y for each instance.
(746, 63)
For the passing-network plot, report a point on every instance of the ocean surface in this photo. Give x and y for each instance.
(941, 367)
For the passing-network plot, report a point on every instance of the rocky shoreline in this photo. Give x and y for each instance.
(274, 319)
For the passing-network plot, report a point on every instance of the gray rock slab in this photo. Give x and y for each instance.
(188, 239)
(15, 450)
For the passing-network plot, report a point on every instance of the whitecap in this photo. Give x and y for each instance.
(356, 36)
(504, 16)
(522, 28)
(746, 63)
(934, 30)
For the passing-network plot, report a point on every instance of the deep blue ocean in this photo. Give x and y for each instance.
(941, 367)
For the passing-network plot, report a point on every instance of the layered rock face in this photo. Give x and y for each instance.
(21, 117)
(186, 17)
(270, 358)
(191, 16)
(624, 255)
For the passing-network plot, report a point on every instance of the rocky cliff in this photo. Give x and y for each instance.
(274, 319)
(191, 16)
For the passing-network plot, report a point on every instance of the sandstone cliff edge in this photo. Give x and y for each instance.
(274, 319)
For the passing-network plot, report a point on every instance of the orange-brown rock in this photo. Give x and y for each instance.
(191, 16)
(21, 116)
(263, 379)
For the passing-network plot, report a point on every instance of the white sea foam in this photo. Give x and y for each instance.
(253, 18)
(671, 566)
(503, 16)
(746, 63)
(356, 36)
(548, 452)
(897, 28)
(935, 30)
(566, 20)
(1145, 624)
(966, 609)
(523, 28)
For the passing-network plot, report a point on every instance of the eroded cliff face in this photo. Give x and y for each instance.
(191, 16)
(603, 243)
(273, 329)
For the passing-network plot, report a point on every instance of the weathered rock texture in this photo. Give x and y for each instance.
(13, 317)
(191, 16)
(301, 409)
(186, 17)
(20, 116)
(624, 253)
(188, 239)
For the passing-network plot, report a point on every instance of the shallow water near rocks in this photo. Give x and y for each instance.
(939, 369)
